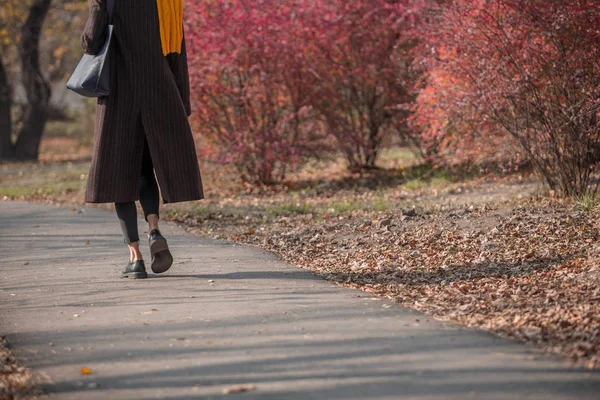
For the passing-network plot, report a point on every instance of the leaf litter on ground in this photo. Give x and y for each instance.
(16, 381)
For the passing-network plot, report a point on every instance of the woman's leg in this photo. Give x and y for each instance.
(148, 191)
(149, 199)
(162, 259)
(127, 214)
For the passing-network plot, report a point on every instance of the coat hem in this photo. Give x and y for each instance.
(195, 198)
(165, 201)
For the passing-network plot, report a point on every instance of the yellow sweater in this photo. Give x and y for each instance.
(170, 17)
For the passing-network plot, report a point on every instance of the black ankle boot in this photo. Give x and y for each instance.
(135, 270)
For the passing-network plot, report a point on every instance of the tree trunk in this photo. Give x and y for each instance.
(36, 86)
(6, 148)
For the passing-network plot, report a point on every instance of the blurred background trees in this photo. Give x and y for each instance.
(36, 52)
(278, 83)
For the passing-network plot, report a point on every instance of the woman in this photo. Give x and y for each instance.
(142, 127)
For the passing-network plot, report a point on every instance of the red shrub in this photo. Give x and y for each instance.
(528, 70)
(362, 50)
(272, 77)
(252, 90)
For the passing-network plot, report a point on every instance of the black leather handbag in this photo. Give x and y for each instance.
(91, 78)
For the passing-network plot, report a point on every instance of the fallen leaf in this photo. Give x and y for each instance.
(239, 389)
(88, 242)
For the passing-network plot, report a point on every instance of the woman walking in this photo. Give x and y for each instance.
(141, 126)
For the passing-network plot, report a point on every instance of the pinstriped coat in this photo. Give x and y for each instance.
(149, 100)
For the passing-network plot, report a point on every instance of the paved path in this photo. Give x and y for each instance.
(229, 314)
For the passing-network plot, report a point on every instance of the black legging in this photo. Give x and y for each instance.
(149, 199)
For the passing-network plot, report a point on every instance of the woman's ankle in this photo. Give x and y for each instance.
(134, 252)
(152, 222)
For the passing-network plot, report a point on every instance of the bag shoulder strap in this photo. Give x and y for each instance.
(110, 6)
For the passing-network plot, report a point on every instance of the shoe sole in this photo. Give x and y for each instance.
(161, 256)
(135, 275)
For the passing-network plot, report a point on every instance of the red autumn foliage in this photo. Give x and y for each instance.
(272, 78)
(520, 72)
(249, 79)
(504, 80)
(363, 55)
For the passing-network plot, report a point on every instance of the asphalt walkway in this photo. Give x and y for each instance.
(228, 315)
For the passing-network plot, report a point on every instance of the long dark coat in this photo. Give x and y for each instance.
(149, 100)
